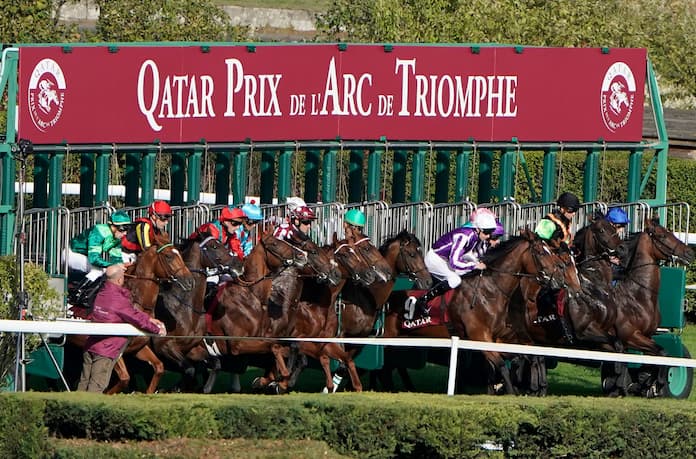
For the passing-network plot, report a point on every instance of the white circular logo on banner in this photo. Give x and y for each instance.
(618, 96)
(46, 94)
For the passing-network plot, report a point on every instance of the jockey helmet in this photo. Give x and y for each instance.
(545, 229)
(160, 209)
(303, 213)
(252, 211)
(499, 229)
(229, 214)
(568, 201)
(617, 216)
(294, 202)
(119, 218)
(355, 217)
(484, 221)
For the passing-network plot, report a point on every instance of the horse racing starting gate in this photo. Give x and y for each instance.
(417, 136)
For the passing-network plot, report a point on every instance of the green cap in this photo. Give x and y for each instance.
(545, 229)
(355, 217)
(119, 218)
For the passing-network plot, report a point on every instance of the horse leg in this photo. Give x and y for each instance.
(146, 355)
(406, 379)
(123, 377)
(496, 365)
(213, 364)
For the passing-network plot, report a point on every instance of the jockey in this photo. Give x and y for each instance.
(139, 237)
(224, 229)
(497, 234)
(244, 233)
(455, 254)
(353, 223)
(300, 218)
(619, 220)
(98, 247)
(568, 204)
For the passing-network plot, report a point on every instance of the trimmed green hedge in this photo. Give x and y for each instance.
(365, 425)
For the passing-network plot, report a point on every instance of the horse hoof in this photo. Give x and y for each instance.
(276, 389)
(257, 385)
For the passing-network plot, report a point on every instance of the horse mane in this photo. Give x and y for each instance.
(502, 250)
(198, 236)
(403, 235)
(631, 245)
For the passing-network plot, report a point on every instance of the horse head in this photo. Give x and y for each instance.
(317, 261)
(382, 269)
(205, 252)
(666, 246)
(545, 259)
(350, 262)
(406, 251)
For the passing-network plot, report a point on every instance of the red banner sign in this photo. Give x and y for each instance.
(173, 94)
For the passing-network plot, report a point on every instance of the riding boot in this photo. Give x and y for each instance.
(421, 305)
(566, 330)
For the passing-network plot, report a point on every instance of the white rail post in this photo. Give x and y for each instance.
(454, 354)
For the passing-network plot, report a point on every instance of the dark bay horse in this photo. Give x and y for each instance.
(636, 295)
(590, 313)
(478, 308)
(244, 307)
(183, 310)
(316, 312)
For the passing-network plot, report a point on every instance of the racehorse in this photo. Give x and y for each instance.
(398, 255)
(160, 264)
(183, 310)
(478, 308)
(244, 306)
(316, 312)
(638, 313)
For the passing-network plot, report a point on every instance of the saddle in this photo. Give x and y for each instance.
(81, 296)
(437, 308)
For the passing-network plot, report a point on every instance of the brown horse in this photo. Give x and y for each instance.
(159, 265)
(635, 296)
(360, 305)
(478, 308)
(590, 313)
(244, 306)
(316, 312)
(183, 310)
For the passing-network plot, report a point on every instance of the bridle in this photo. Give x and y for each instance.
(171, 276)
(407, 268)
(349, 247)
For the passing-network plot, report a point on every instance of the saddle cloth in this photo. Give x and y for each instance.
(437, 308)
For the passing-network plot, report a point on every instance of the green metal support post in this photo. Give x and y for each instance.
(240, 176)
(548, 179)
(662, 148)
(8, 80)
(40, 195)
(506, 179)
(635, 161)
(590, 185)
(312, 160)
(267, 176)
(101, 194)
(55, 193)
(355, 176)
(442, 170)
(328, 189)
(222, 177)
(87, 194)
(461, 191)
(147, 179)
(418, 175)
(485, 188)
(399, 176)
(193, 172)
(177, 177)
(285, 173)
(132, 178)
(374, 163)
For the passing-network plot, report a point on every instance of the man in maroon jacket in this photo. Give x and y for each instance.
(111, 305)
